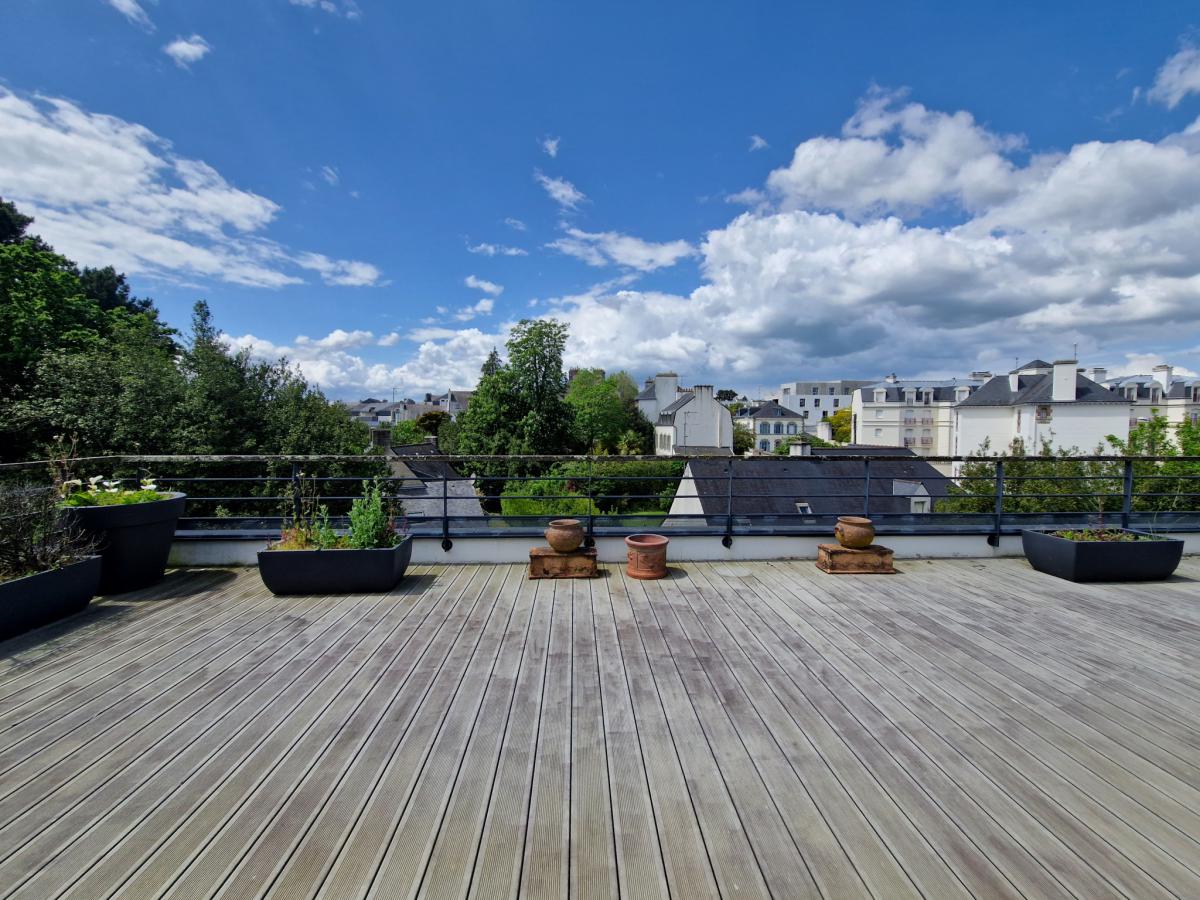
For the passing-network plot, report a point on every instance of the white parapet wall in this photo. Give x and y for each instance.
(612, 549)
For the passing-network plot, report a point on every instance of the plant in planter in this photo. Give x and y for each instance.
(133, 527)
(313, 557)
(48, 569)
(1102, 553)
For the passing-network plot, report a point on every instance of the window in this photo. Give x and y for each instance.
(881, 396)
(791, 429)
(832, 390)
(1045, 413)
(879, 413)
(920, 506)
(878, 432)
(803, 508)
(816, 390)
(764, 428)
(764, 445)
(777, 443)
(786, 391)
(800, 403)
(835, 402)
(779, 428)
(824, 414)
(817, 401)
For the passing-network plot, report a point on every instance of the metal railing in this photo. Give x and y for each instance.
(451, 497)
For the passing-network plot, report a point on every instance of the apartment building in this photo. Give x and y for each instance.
(820, 399)
(1172, 396)
(917, 414)
(772, 424)
(1038, 403)
(696, 423)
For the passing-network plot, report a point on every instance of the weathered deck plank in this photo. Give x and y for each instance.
(966, 728)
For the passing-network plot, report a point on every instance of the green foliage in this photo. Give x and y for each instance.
(447, 437)
(605, 414)
(33, 537)
(1104, 534)
(104, 498)
(372, 519)
(524, 498)
(726, 395)
(430, 422)
(1096, 487)
(621, 486)
(743, 439)
(12, 223)
(784, 448)
(408, 432)
(840, 422)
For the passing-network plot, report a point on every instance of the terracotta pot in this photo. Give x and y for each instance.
(564, 535)
(647, 556)
(854, 532)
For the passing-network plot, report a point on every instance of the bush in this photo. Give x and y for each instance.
(522, 498)
(618, 486)
(32, 536)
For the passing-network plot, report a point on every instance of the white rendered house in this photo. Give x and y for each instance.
(696, 423)
(1172, 396)
(916, 414)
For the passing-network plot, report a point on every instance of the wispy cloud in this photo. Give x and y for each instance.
(391, 339)
(515, 224)
(187, 50)
(132, 10)
(602, 248)
(105, 191)
(482, 308)
(758, 142)
(560, 190)
(486, 249)
(550, 146)
(347, 9)
(1178, 77)
(488, 287)
(331, 175)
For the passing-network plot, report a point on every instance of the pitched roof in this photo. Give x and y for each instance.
(1038, 389)
(1032, 364)
(646, 393)
(1181, 388)
(943, 391)
(772, 410)
(666, 415)
(772, 486)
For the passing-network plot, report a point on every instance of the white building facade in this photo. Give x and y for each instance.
(1172, 396)
(820, 399)
(1041, 403)
(696, 423)
(915, 414)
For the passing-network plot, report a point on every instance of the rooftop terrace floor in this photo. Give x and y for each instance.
(754, 729)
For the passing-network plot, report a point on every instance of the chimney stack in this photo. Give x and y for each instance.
(800, 448)
(891, 379)
(1064, 380)
(1162, 374)
(666, 388)
(981, 376)
(1098, 374)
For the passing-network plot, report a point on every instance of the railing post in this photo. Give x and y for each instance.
(1127, 494)
(998, 513)
(590, 539)
(297, 499)
(866, 488)
(446, 542)
(727, 540)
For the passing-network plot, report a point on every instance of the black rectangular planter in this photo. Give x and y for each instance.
(133, 539)
(334, 571)
(1151, 560)
(37, 600)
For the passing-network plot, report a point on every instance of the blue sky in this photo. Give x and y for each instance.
(746, 193)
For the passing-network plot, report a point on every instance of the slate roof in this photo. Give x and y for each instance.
(425, 469)
(1181, 388)
(666, 415)
(1038, 389)
(1033, 364)
(772, 410)
(764, 486)
(646, 393)
(943, 391)
(688, 449)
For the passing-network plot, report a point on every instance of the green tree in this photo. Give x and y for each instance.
(839, 422)
(492, 364)
(408, 432)
(12, 223)
(726, 395)
(743, 439)
(784, 448)
(431, 422)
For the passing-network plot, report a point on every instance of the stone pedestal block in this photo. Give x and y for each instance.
(838, 560)
(547, 563)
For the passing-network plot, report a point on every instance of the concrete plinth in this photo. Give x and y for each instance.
(547, 563)
(838, 560)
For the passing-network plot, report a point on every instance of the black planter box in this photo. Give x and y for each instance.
(1102, 560)
(334, 571)
(133, 540)
(40, 599)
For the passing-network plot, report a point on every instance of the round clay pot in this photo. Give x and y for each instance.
(564, 535)
(854, 532)
(647, 556)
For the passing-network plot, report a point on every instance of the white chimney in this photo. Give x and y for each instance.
(1162, 374)
(703, 392)
(1014, 381)
(800, 448)
(891, 379)
(1064, 380)
(666, 388)
(1098, 374)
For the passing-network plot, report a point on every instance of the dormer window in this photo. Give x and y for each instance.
(881, 396)
(910, 397)
(1131, 392)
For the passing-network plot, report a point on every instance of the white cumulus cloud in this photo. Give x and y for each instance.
(605, 247)
(1178, 77)
(105, 191)
(486, 249)
(187, 50)
(488, 287)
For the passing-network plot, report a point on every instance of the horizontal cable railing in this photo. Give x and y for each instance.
(452, 496)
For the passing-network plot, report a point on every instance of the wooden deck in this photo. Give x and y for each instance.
(738, 730)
